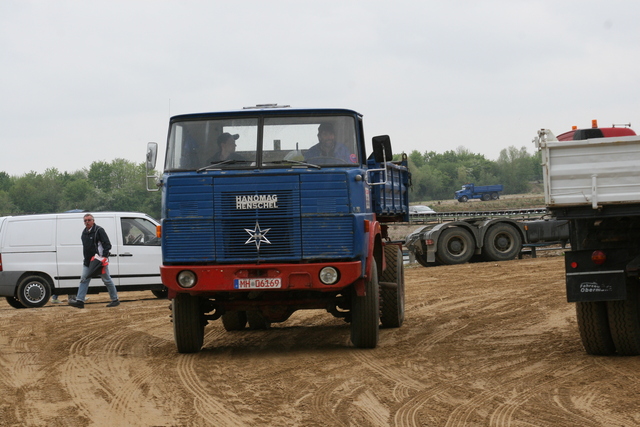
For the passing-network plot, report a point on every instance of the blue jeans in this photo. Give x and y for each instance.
(84, 284)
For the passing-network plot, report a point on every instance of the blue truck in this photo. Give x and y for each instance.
(268, 210)
(484, 192)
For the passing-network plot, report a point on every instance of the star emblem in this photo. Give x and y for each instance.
(257, 235)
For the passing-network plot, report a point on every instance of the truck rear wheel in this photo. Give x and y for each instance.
(34, 291)
(234, 320)
(486, 197)
(624, 321)
(501, 243)
(495, 196)
(593, 324)
(257, 320)
(365, 313)
(455, 246)
(188, 323)
(392, 288)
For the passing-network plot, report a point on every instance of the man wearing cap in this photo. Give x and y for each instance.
(327, 150)
(226, 148)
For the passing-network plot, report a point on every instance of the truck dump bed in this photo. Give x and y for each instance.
(590, 172)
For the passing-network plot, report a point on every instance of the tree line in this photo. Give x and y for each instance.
(436, 176)
(120, 185)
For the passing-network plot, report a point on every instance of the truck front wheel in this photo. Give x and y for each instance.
(463, 199)
(365, 313)
(392, 288)
(188, 323)
(501, 243)
(455, 246)
(594, 328)
(624, 321)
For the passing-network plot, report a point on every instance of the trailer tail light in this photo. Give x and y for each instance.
(598, 257)
(429, 242)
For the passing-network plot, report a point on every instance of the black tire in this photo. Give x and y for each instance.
(463, 199)
(14, 302)
(34, 291)
(234, 320)
(257, 321)
(160, 293)
(486, 197)
(501, 243)
(422, 259)
(495, 196)
(188, 323)
(392, 304)
(455, 246)
(593, 325)
(365, 313)
(624, 321)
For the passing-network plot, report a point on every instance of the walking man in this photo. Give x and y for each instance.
(94, 242)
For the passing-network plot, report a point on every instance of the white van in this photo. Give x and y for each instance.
(41, 255)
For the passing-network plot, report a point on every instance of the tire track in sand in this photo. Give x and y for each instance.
(205, 405)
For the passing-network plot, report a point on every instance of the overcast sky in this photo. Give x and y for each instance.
(85, 81)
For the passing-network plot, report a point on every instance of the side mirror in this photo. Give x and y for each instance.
(382, 148)
(151, 178)
(152, 155)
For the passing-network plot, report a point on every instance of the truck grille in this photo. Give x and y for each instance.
(218, 222)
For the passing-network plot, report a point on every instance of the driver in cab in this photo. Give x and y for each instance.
(328, 150)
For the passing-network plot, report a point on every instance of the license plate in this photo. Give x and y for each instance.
(271, 283)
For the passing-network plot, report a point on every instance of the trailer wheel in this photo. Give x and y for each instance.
(593, 325)
(495, 196)
(34, 291)
(455, 246)
(365, 313)
(463, 199)
(624, 321)
(188, 323)
(501, 243)
(257, 320)
(392, 288)
(422, 259)
(486, 197)
(14, 302)
(234, 320)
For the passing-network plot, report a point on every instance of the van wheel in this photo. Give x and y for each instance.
(161, 293)
(14, 302)
(34, 291)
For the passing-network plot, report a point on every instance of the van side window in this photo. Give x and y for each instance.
(139, 231)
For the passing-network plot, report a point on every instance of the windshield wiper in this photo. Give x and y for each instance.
(280, 162)
(224, 162)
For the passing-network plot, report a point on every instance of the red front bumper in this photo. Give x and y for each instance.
(223, 278)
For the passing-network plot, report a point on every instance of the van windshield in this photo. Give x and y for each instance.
(240, 143)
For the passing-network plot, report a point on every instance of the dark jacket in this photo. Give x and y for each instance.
(90, 243)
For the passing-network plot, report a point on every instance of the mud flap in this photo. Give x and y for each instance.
(588, 282)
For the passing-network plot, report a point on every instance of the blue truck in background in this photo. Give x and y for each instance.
(484, 192)
(268, 210)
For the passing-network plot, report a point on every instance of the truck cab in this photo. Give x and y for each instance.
(269, 209)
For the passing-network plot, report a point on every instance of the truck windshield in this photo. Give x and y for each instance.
(239, 143)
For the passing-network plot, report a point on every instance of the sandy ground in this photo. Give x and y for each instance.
(489, 344)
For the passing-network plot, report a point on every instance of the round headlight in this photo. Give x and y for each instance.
(187, 279)
(329, 275)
